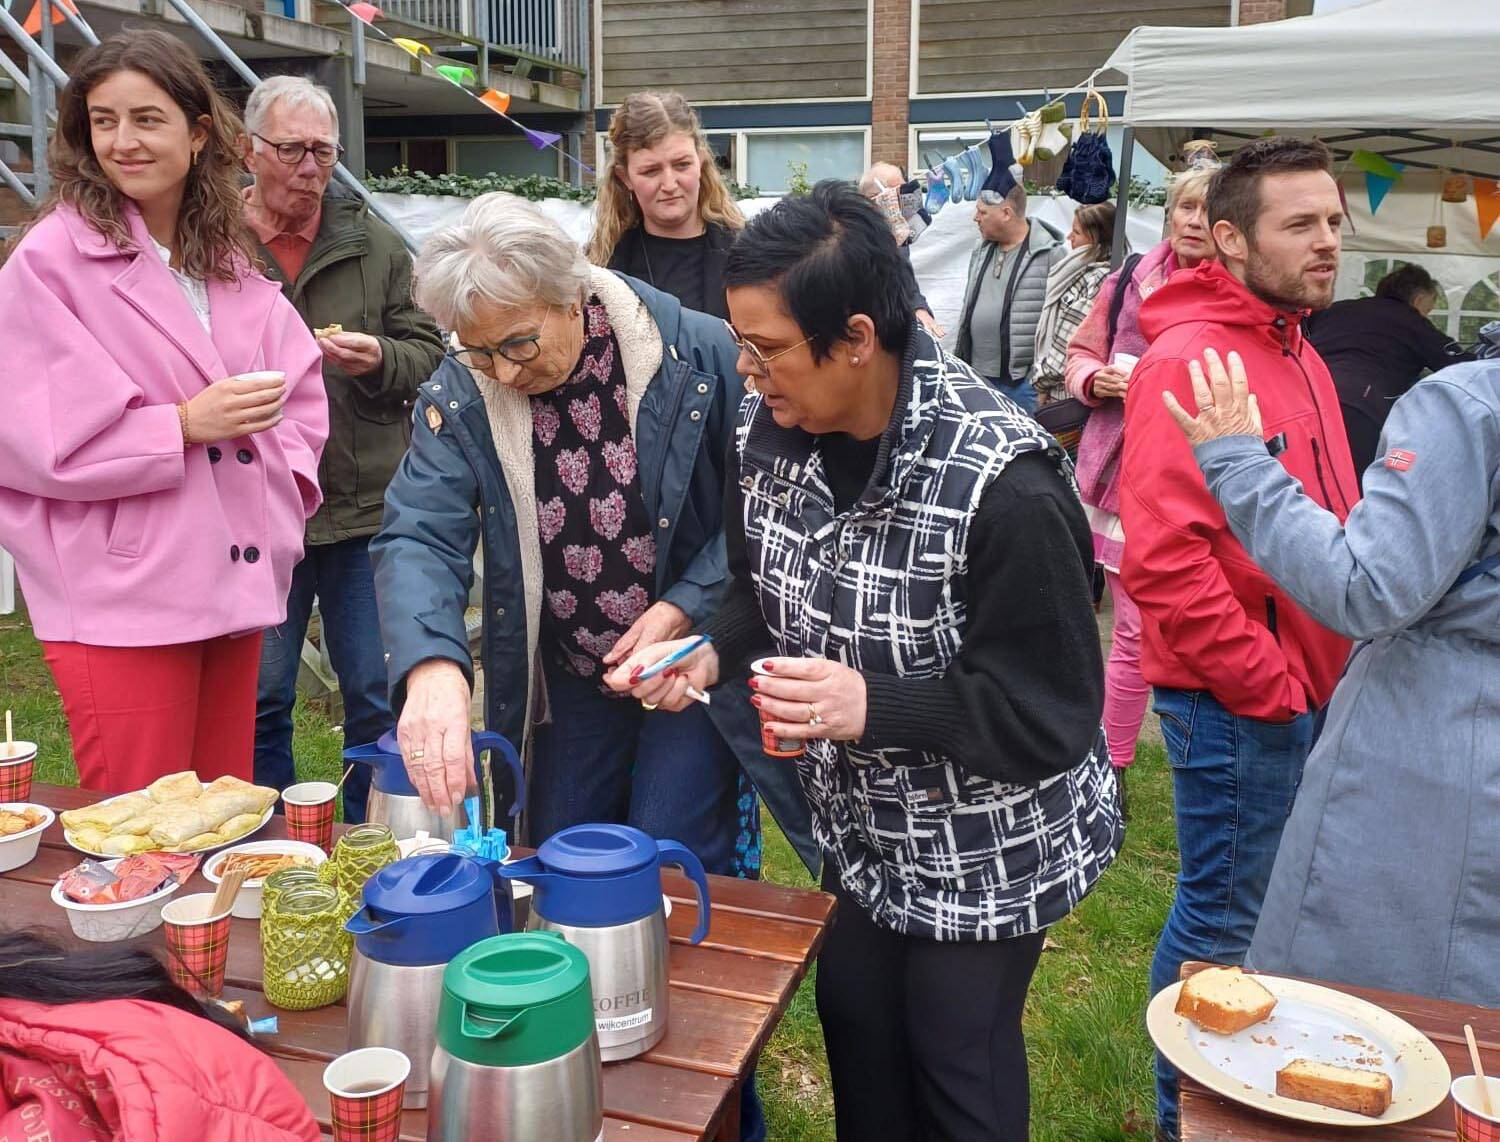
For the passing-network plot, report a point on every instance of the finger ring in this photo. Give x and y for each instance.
(418, 754)
(813, 717)
(649, 705)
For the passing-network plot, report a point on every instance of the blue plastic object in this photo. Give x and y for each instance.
(389, 771)
(481, 843)
(428, 908)
(597, 876)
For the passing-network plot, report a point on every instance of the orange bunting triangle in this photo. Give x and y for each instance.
(33, 23)
(496, 101)
(1487, 203)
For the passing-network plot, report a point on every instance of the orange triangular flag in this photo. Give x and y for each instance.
(33, 23)
(496, 101)
(1487, 203)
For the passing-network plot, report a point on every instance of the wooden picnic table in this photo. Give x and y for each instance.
(728, 993)
(1208, 1117)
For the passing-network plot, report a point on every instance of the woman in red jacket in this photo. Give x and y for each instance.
(99, 1044)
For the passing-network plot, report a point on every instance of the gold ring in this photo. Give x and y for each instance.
(813, 717)
(649, 705)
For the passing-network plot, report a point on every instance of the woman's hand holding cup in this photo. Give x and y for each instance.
(669, 689)
(236, 406)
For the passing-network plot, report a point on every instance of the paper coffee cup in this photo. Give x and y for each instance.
(1126, 362)
(309, 812)
(197, 943)
(17, 764)
(772, 745)
(366, 1088)
(262, 375)
(1473, 1124)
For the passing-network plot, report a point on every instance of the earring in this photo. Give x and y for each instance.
(853, 360)
(196, 152)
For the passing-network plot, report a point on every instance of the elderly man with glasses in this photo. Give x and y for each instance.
(350, 278)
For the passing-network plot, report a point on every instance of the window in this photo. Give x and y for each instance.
(1481, 306)
(430, 156)
(382, 155)
(773, 159)
(502, 156)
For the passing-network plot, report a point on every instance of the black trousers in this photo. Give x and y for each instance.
(924, 1038)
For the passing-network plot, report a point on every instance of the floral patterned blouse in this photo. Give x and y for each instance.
(598, 550)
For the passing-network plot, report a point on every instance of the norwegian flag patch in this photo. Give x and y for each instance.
(1400, 460)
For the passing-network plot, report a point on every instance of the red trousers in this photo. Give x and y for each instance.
(137, 713)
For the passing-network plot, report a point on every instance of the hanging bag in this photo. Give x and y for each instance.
(1090, 170)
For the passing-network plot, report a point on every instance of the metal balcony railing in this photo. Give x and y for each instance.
(549, 31)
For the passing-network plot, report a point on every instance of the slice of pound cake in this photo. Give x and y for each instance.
(1343, 1088)
(1225, 1000)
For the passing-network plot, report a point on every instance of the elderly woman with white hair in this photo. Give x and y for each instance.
(1097, 372)
(578, 430)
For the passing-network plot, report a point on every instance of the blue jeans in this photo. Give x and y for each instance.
(609, 759)
(340, 576)
(1021, 392)
(1233, 780)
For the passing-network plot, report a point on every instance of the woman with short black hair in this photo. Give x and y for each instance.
(909, 548)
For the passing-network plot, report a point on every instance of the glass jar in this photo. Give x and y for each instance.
(304, 947)
(279, 882)
(362, 852)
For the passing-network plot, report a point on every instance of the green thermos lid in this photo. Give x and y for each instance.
(515, 1000)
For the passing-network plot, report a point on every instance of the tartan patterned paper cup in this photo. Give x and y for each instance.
(1472, 1125)
(16, 768)
(366, 1088)
(309, 812)
(197, 943)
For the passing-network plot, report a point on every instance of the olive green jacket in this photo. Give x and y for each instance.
(358, 275)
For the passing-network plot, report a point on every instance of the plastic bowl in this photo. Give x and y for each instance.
(247, 903)
(102, 923)
(20, 848)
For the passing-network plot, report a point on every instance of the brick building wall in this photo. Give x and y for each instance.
(890, 97)
(1262, 11)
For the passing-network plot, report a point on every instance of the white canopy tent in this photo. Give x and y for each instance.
(1410, 80)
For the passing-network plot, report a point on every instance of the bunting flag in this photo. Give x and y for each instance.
(496, 101)
(456, 73)
(1371, 163)
(1487, 203)
(1377, 185)
(541, 140)
(416, 47)
(33, 23)
(366, 12)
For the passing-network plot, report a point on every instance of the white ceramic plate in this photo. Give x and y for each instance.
(264, 817)
(1310, 1022)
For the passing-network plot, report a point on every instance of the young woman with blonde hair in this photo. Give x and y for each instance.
(665, 214)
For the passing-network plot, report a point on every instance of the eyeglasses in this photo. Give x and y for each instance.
(324, 154)
(760, 362)
(516, 350)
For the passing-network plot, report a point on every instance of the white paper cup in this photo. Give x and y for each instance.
(1125, 362)
(384, 1065)
(310, 792)
(16, 751)
(261, 375)
(194, 909)
(1465, 1092)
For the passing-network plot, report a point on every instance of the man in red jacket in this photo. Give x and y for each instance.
(1238, 669)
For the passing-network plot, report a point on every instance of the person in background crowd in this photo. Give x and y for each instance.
(1071, 287)
(349, 276)
(1007, 287)
(1238, 667)
(97, 1044)
(579, 429)
(1376, 348)
(1409, 758)
(956, 692)
(665, 215)
(166, 414)
(1096, 377)
(884, 180)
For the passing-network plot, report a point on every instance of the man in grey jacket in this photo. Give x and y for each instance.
(1006, 290)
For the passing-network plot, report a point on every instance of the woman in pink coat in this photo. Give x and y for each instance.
(152, 489)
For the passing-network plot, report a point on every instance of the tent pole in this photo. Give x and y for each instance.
(1122, 199)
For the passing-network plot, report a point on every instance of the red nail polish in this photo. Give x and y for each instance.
(769, 665)
(672, 673)
(755, 683)
(635, 675)
(756, 701)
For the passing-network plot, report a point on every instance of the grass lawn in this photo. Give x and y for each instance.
(1090, 1060)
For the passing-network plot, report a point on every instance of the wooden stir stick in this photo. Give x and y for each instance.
(10, 746)
(1484, 1087)
(228, 889)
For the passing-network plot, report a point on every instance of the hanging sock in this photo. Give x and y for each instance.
(1002, 174)
(1023, 135)
(1055, 132)
(972, 163)
(937, 193)
(955, 175)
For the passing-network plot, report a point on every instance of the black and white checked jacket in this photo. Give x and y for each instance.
(927, 848)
